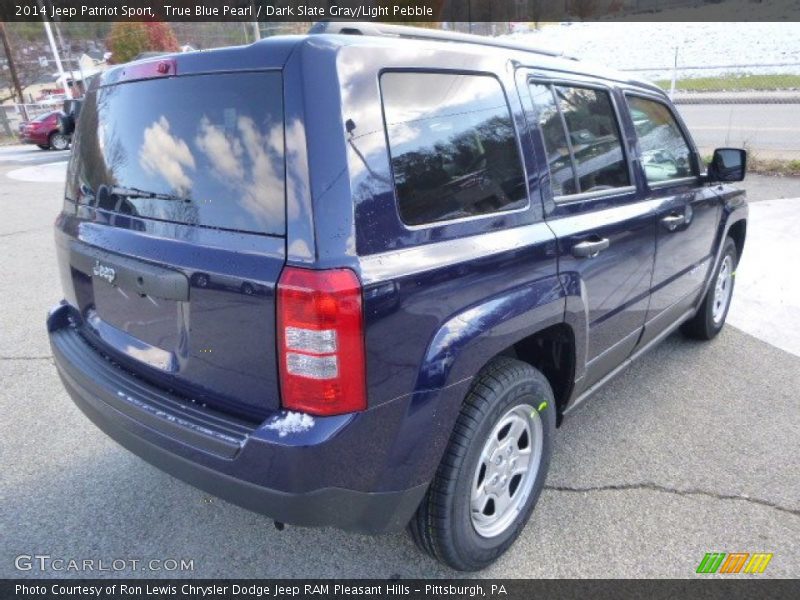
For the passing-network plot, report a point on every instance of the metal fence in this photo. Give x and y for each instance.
(12, 115)
(768, 83)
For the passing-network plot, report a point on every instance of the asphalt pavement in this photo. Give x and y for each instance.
(769, 130)
(693, 449)
(30, 163)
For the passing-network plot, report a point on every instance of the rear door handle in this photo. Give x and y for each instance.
(590, 248)
(673, 221)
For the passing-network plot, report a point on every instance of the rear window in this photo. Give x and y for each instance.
(204, 150)
(453, 146)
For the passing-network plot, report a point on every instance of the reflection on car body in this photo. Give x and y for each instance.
(224, 283)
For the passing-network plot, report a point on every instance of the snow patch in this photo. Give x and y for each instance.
(291, 422)
(651, 46)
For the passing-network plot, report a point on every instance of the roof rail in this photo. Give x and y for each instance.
(419, 33)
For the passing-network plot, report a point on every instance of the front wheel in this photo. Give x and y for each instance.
(493, 470)
(713, 311)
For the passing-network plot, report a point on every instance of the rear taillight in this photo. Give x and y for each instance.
(321, 341)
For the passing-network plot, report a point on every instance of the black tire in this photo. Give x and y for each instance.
(702, 326)
(58, 141)
(442, 526)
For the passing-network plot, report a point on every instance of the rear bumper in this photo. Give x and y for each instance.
(289, 476)
(39, 140)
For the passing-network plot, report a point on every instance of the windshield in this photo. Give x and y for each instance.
(203, 150)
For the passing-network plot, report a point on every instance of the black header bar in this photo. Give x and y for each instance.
(398, 11)
(734, 588)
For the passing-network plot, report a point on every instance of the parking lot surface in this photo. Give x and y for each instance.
(693, 449)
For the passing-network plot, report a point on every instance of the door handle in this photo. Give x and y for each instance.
(673, 221)
(590, 248)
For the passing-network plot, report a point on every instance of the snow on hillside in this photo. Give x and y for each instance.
(651, 46)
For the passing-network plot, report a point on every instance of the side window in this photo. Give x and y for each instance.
(665, 153)
(453, 146)
(562, 174)
(582, 119)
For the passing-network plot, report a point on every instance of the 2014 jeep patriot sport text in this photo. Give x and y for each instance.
(357, 280)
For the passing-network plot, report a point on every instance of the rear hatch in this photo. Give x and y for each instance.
(173, 233)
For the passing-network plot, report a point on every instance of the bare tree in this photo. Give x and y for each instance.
(11, 66)
(21, 68)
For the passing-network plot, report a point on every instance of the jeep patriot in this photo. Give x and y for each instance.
(356, 278)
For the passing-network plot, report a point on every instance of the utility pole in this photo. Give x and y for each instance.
(11, 66)
(61, 73)
(54, 49)
(674, 75)
(256, 27)
(69, 59)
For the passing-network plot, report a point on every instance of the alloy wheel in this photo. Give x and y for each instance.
(506, 471)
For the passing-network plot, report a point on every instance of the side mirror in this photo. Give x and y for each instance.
(727, 165)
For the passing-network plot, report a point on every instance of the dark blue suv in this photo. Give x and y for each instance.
(358, 280)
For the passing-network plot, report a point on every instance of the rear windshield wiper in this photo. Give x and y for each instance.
(132, 192)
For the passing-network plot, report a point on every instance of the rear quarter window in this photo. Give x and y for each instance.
(453, 146)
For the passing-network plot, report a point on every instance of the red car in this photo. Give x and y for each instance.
(43, 131)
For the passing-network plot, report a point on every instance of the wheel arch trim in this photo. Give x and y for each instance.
(471, 338)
